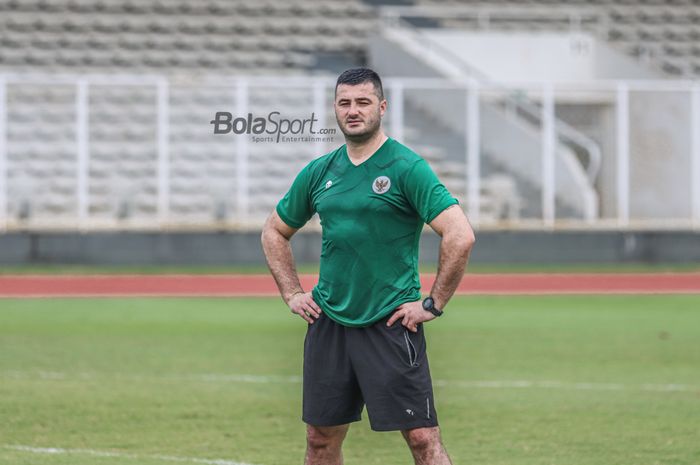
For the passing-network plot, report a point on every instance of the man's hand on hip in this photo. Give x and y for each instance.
(302, 303)
(411, 313)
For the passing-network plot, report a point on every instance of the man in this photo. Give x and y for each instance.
(365, 342)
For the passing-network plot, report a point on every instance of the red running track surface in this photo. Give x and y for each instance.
(264, 285)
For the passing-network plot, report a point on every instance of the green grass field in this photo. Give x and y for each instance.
(218, 379)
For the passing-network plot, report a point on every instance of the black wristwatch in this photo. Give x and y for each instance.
(429, 306)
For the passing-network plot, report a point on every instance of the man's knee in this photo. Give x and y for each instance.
(422, 439)
(325, 437)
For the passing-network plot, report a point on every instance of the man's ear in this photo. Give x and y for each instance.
(382, 107)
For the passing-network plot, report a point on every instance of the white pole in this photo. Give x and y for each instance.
(3, 154)
(396, 111)
(695, 160)
(623, 155)
(163, 103)
(473, 144)
(83, 158)
(242, 152)
(548, 148)
(319, 114)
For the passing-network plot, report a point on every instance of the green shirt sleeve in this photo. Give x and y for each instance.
(295, 208)
(428, 196)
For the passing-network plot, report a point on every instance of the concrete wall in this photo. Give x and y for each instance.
(229, 248)
(660, 155)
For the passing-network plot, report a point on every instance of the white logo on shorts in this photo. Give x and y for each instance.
(329, 184)
(410, 412)
(381, 185)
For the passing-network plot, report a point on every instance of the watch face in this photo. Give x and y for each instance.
(428, 303)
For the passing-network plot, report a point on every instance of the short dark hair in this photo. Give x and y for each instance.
(357, 76)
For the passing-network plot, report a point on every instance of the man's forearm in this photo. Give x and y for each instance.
(454, 254)
(280, 260)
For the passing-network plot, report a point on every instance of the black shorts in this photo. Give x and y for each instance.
(383, 367)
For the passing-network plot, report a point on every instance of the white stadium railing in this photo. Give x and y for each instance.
(616, 95)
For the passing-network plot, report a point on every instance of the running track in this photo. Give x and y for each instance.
(263, 285)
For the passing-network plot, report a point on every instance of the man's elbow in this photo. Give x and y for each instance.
(268, 232)
(460, 239)
(467, 240)
(274, 231)
(263, 237)
(470, 237)
(265, 230)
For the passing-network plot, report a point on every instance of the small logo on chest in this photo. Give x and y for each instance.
(381, 185)
(329, 184)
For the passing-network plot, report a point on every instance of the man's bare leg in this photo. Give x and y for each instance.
(324, 444)
(426, 446)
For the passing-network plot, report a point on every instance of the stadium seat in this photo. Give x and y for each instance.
(181, 40)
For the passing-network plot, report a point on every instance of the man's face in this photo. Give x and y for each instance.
(358, 111)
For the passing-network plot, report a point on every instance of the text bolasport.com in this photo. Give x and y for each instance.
(272, 128)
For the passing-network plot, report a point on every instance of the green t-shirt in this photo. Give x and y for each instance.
(371, 216)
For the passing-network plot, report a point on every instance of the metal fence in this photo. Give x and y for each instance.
(609, 154)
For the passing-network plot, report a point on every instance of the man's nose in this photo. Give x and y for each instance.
(353, 109)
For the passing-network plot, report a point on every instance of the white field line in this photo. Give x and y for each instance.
(100, 453)
(522, 384)
(275, 379)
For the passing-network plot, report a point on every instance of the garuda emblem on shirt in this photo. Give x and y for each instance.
(381, 185)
